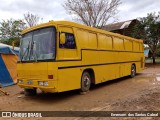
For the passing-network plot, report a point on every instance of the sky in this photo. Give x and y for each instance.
(53, 9)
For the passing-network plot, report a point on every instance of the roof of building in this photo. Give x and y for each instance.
(119, 25)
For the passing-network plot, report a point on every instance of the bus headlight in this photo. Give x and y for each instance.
(45, 83)
(42, 83)
(20, 81)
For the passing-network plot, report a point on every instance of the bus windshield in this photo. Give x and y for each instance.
(38, 45)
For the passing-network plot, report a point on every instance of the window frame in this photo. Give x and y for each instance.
(32, 32)
(75, 45)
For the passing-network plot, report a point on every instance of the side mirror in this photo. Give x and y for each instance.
(62, 38)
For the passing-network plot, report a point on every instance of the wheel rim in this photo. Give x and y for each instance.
(86, 82)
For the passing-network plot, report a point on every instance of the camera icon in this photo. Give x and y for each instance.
(6, 114)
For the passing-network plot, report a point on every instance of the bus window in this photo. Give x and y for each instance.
(70, 41)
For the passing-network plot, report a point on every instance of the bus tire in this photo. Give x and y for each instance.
(30, 92)
(85, 82)
(133, 71)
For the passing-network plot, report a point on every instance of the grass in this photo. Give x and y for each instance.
(149, 60)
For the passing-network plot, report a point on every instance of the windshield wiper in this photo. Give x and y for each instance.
(32, 52)
(26, 51)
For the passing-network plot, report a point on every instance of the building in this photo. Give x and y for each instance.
(124, 28)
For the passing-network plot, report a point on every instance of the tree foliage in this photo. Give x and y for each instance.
(149, 30)
(10, 30)
(95, 13)
(31, 19)
(158, 50)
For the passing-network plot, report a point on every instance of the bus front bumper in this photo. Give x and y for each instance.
(45, 85)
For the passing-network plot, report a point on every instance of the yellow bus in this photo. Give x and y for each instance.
(60, 56)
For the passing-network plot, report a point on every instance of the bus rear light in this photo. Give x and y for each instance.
(50, 76)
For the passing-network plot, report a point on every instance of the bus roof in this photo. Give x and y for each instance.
(73, 24)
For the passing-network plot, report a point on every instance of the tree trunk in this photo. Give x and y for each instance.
(153, 58)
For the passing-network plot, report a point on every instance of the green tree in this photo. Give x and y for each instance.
(11, 30)
(148, 29)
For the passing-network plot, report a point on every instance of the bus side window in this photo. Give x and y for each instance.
(70, 41)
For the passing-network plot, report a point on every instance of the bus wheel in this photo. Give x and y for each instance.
(85, 82)
(133, 71)
(30, 92)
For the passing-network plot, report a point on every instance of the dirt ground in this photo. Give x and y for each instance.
(141, 93)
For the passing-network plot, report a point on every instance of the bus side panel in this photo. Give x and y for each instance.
(69, 79)
(138, 66)
(90, 57)
(114, 71)
(106, 72)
